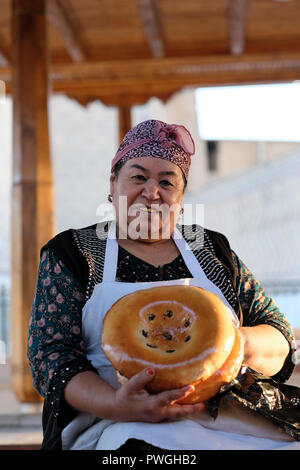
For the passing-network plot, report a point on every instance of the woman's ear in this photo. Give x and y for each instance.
(112, 180)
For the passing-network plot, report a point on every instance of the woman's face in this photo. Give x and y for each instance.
(147, 197)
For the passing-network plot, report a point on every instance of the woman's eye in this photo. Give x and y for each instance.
(142, 178)
(165, 183)
(139, 177)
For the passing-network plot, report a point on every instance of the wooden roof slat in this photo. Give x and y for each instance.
(150, 18)
(57, 15)
(237, 17)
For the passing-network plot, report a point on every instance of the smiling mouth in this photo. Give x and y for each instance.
(148, 210)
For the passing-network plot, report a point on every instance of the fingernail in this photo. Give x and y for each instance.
(150, 371)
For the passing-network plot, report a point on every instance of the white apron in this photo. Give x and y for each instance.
(248, 430)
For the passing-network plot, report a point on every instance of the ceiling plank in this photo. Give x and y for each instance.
(237, 19)
(58, 16)
(150, 18)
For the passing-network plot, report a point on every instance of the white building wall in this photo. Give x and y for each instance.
(83, 142)
(236, 157)
(259, 211)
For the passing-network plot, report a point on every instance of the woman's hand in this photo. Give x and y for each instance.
(134, 403)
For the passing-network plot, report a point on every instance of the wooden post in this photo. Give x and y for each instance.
(32, 199)
(124, 120)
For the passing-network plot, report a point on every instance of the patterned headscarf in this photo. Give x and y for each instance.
(157, 139)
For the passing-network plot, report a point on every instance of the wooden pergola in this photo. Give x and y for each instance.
(121, 52)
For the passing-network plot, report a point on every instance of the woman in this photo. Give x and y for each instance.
(83, 272)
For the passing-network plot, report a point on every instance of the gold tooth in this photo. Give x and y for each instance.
(147, 210)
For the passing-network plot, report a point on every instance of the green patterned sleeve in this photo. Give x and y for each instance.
(258, 308)
(55, 329)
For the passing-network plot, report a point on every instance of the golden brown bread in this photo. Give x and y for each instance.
(227, 372)
(184, 332)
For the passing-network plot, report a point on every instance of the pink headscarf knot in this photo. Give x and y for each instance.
(172, 134)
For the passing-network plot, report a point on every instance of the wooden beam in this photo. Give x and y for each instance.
(184, 69)
(32, 199)
(136, 81)
(124, 120)
(150, 18)
(237, 18)
(57, 15)
(132, 82)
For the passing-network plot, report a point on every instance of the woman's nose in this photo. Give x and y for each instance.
(151, 190)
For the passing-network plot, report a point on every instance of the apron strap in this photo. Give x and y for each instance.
(111, 255)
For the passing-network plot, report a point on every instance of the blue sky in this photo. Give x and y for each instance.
(255, 112)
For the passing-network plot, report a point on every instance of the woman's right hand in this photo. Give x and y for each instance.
(134, 403)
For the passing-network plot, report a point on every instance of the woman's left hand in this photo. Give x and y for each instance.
(134, 403)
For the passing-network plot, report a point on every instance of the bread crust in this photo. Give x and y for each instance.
(206, 389)
(184, 332)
